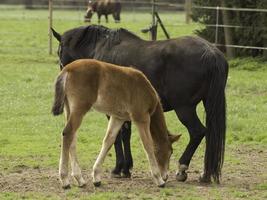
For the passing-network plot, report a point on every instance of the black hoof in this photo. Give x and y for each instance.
(181, 176)
(204, 179)
(97, 184)
(115, 175)
(162, 185)
(66, 187)
(126, 175)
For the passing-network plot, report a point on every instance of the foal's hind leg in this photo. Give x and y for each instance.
(76, 171)
(145, 135)
(189, 118)
(68, 139)
(111, 134)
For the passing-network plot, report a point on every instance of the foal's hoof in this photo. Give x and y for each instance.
(82, 185)
(66, 187)
(181, 176)
(97, 184)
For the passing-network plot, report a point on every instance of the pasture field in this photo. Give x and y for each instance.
(30, 135)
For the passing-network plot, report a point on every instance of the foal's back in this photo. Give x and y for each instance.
(110, 89)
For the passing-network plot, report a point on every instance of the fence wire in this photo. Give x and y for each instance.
(131, 7)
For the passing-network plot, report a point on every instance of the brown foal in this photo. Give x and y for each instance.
(124, 94)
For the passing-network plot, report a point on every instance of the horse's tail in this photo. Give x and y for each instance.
(60, 95)
(215, 107)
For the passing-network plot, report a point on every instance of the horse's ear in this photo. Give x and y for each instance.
(56, 35)
(174, 138)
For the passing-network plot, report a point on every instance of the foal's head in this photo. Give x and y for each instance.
(163, 154)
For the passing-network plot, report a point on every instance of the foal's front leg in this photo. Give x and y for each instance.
(114, 126)
(145, 134)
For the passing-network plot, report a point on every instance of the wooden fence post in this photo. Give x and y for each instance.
(153, 31)
(230, 52)
(50, 18)
(188, 10)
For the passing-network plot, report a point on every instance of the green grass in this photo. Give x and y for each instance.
(30, 135)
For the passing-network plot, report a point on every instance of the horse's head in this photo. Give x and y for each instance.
(81, 42)
(63, 53)
(90, 11)
(163, 155)
(75, 44)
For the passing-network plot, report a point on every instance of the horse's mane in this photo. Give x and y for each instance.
(84, 35)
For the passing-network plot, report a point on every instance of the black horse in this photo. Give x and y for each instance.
(184, 71)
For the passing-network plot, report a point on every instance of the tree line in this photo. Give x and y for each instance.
(249, 27)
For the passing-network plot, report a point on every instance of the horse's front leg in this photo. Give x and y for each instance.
(99, 18)
(106, 16)
(114, 126)
(124, 160)
(128, 160)
(116, 172)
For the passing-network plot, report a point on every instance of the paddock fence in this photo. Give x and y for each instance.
(216, 26)
(78, 7)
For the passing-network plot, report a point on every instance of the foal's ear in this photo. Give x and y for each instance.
(174, 138)
(56, 35)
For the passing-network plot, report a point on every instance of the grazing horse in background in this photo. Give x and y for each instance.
(184, 71)
(103, 7)
(123, 94)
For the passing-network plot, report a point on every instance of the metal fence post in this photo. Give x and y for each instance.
(153, 30)
(50, 18)
(217, 24)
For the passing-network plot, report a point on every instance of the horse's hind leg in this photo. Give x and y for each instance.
(188, 116)
(68, 140)
(145, 135)
(114, 126)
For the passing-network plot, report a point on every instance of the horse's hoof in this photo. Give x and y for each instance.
(181, 176)
(161, 185)
(115, 175)
(66, 187)
(204, 179)
(97, 184)
(126, 175)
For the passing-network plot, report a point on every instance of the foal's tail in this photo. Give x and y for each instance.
(215, 107)
(59, 98)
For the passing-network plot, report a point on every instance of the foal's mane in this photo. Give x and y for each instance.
(84, 35)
